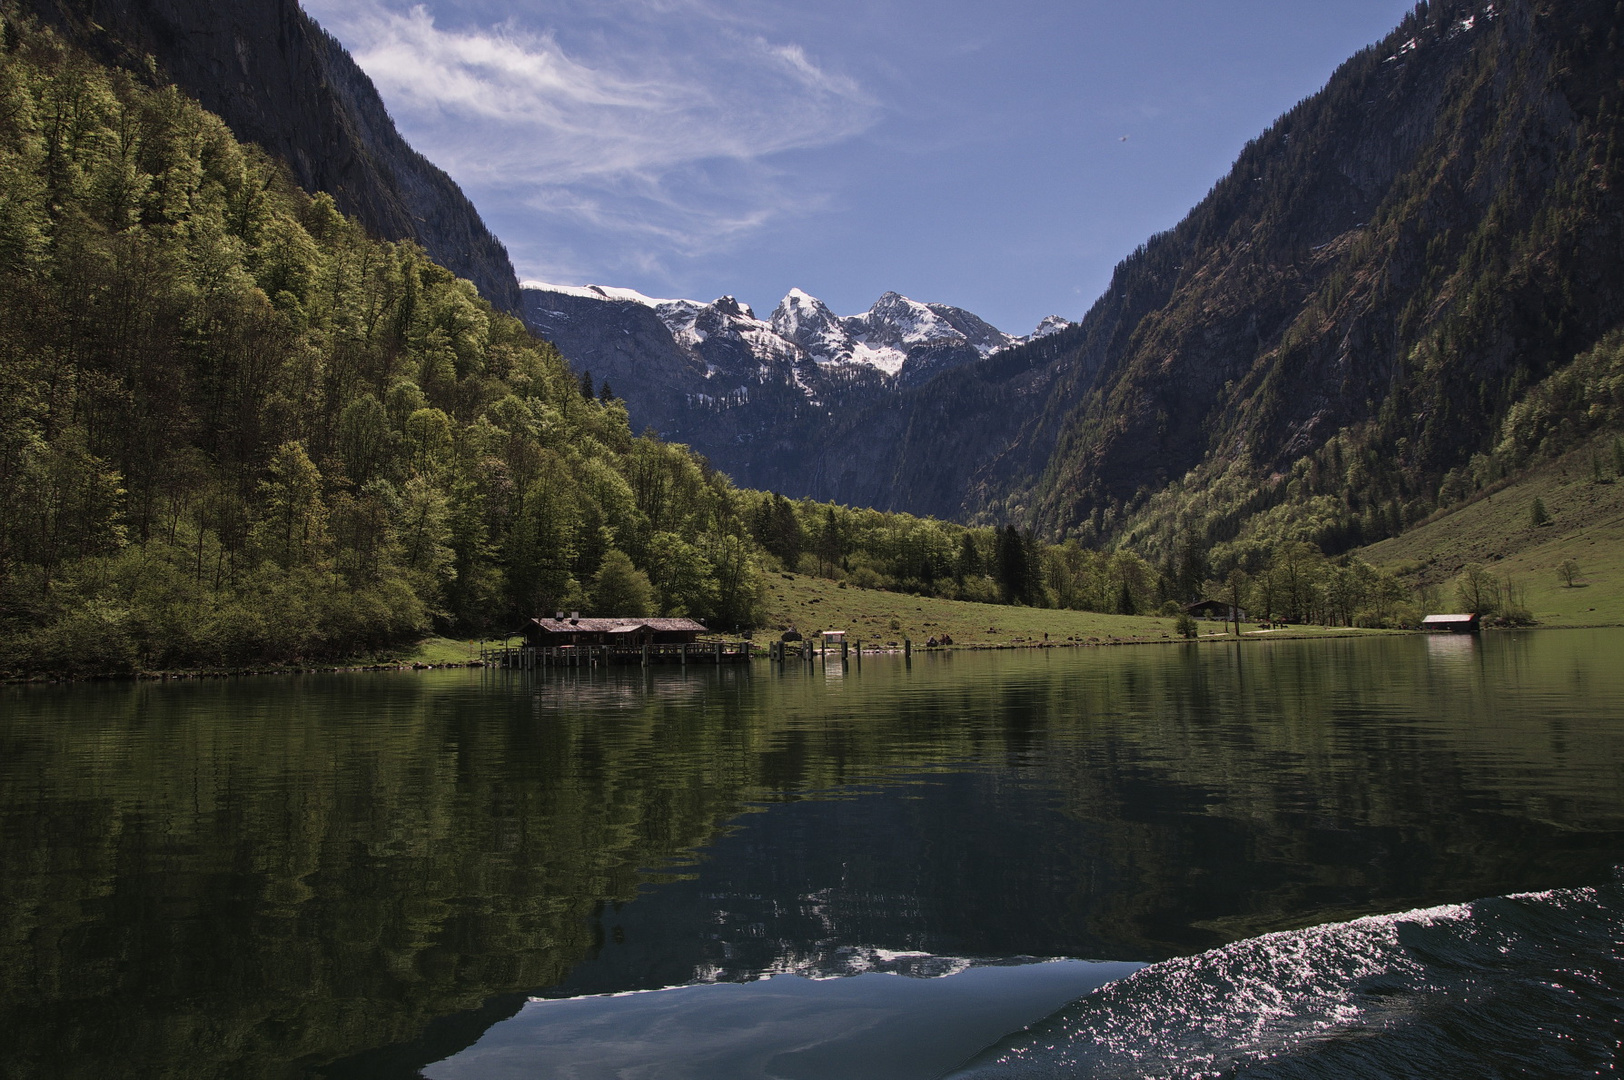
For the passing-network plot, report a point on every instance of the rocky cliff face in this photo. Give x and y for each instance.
(280, 81)
(774, 403)
(1382, 271)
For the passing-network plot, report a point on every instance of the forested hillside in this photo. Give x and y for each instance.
(280, 81)
(235, 428)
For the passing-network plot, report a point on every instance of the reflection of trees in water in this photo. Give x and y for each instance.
(1310, 782)
(220, 878)
(224, 879)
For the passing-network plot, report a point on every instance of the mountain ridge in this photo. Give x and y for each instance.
(765, 400)
(281, 81)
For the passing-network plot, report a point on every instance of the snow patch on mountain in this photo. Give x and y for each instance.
(1052, 324)
(808, 323)
(802, 328)
(598, 292)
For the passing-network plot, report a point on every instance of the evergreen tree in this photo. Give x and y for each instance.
(1014, 569)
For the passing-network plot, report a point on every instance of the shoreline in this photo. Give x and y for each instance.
(1341, 633)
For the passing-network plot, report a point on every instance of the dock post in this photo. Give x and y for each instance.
(842, 648)
(907, 647)
(684, 654)
(718, 654)
(645, 655)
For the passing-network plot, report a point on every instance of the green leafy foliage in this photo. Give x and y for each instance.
(234, 429)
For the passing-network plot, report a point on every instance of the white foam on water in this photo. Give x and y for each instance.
(1385, 991)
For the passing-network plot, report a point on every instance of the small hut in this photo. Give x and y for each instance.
(630, 632)
(1453, 624)
(1213, 609)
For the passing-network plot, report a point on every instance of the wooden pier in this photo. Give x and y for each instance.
(536, 658)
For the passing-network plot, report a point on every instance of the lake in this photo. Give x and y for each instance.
(1390, 856)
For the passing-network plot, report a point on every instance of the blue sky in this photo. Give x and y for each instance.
(1002, 157)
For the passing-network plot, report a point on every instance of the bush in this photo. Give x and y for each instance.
(91, 640)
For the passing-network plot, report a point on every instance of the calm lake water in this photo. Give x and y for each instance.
(1377, 857)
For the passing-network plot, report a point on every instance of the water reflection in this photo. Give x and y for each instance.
(1452, 648)
(261, 878)
(871, 1026)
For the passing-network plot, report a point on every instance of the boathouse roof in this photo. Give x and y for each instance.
(625, 624)
(1467, 621)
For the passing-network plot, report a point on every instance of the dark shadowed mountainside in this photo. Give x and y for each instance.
(279, 80)
(1342, 324)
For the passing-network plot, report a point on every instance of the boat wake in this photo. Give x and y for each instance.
(1524, 985)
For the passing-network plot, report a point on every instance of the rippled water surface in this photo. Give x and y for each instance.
(1377, 857)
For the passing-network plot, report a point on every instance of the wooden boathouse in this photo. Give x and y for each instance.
(578, 642)
(1470, 623)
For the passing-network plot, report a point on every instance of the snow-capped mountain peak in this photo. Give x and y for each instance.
(806, 321)
(1052, 324)
(731, 305)
(896, 332)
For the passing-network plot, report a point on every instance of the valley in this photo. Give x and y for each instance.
(274, 401)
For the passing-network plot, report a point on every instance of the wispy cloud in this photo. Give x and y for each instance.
(662, 129)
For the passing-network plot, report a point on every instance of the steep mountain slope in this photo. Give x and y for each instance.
(771, 402)
(279, 80)
(1320, 347)
(1348, 314)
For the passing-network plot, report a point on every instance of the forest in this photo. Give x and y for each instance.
(235, 428)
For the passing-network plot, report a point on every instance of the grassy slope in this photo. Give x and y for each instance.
(812, 604)
(1496, 530)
